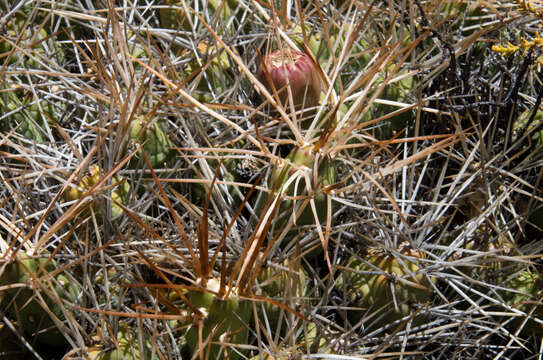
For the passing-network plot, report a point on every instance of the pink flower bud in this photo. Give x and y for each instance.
(292, 67)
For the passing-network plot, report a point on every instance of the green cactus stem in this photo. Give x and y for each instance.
(26, 115)
(316, 44)
(385, 279)
(292, 176)
(23, 303)
(526, 296)
(398, 91)
(211, 73)
(126, 347)
(33, 46)
(524, 126)
(156, 143)
(173, 16)
(286, 283)
(120, 193)
(225, 321)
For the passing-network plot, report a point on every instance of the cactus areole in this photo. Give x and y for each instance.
(290, 68)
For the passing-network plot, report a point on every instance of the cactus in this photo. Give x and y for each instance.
(526, 296)
(173, 16)
(385, 279)
(488, 264)
(27, 116)
(398, 91)
(214, 79)
(304, 159)
(286, 283)
(119, 194)
(523, 125)
(26, 308)
(41, 46)
(126, 347)
(317, 46)
(156, 144)
(224, 321)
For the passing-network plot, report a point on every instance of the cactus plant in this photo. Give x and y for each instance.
(293, 176)
(27, 116)
(526, 296)
(126, 347)
(225, 320)
(383, 278)
(215, 66)
(26, 307)
(397, 91)
(523, 125)
(285, 283)
(173, 16)
(154, 140)
(119, 193)
(317, 46)
(35, 44)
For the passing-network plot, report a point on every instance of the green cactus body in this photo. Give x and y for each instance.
(324, 118)
(527, 295)
(322, 50)
(27, 117)
(155, 142)
(521, 125)
(127, 347)
(32, 36)
(398, 91)
(489, 265)
(173, 16)
(225, 320)
(317, 46)
(26, 308)
(317, 41)
(119, 193)
(373, 284)
(326, 175)
(215, 78)
(234, 170)
(136, 49)
(281, 284)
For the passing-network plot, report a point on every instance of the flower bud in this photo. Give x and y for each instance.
(292, 68)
